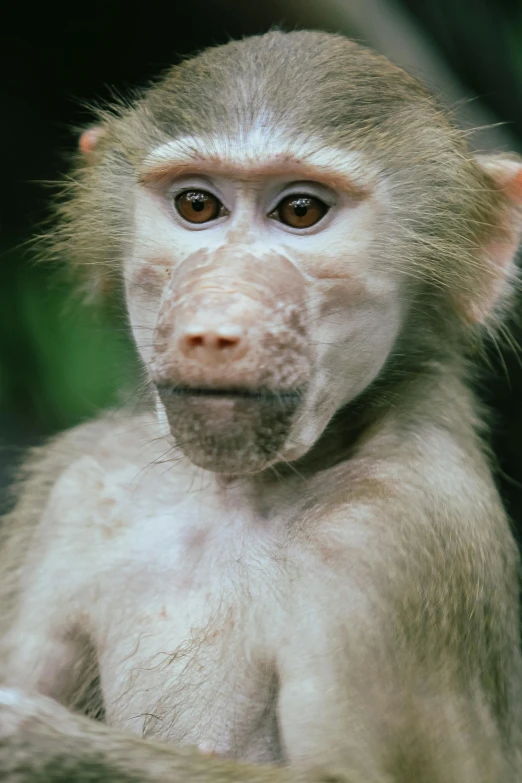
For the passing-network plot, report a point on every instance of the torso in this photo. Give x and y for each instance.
(189, 591)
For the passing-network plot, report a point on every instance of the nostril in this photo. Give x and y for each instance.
(222, 343)
(193, 340)
(219, 341)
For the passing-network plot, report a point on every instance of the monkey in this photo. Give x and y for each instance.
(291, 562)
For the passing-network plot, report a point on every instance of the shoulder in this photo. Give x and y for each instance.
(69, 463)
(69, 491)
(109, 440)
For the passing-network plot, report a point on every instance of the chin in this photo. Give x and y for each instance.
(230, 431)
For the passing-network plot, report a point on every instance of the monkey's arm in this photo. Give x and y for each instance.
(43, 651)
(40, 648)
(42, 742)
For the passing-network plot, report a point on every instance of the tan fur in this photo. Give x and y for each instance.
(301, 560)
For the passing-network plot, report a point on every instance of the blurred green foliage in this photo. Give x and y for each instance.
(70, 360)
(82, 357)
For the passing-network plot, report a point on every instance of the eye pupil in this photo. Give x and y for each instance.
(300, 209)
(198, 203)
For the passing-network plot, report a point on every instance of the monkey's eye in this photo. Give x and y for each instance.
(300, 211)
(198, 206)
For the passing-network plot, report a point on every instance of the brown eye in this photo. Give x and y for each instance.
(300, 211)
(198, 206)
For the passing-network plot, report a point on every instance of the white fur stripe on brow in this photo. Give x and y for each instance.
(260, 147)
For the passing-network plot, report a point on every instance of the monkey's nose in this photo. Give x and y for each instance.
(219, 342)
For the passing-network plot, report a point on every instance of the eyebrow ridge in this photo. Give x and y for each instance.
(157, 172)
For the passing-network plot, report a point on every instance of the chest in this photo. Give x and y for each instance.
(189, 608)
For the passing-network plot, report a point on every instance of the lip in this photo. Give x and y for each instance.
(281, 396)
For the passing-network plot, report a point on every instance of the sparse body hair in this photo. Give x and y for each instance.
(294, 559)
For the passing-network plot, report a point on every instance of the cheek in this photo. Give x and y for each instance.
(146, 280)
(352, 341)
(144, 285)
(148, 270)
(358, 338)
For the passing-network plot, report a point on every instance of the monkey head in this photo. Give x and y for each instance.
(263, 312)
(278, 234)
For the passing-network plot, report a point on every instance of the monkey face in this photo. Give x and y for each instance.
(231, 356)
(256, 300)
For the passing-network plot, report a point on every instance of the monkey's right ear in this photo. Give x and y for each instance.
(504, 173)
(89, 140)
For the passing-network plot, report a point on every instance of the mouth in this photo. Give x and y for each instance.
(278, 396)
(230, 429)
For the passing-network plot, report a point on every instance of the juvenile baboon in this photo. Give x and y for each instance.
(295, 555)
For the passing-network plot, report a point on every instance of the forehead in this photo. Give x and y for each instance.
(298, 105)
(263, 151)
(303, 84)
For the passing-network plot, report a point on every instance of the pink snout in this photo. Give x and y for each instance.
(207, 337)
(232, 320)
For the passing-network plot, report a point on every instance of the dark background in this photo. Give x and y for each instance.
(60, 363)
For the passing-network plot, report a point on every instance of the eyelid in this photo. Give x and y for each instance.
(196, 183)
(176, 190)
(312, 189)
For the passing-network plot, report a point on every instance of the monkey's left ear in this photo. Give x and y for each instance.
(89, 140)
(505, 176)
